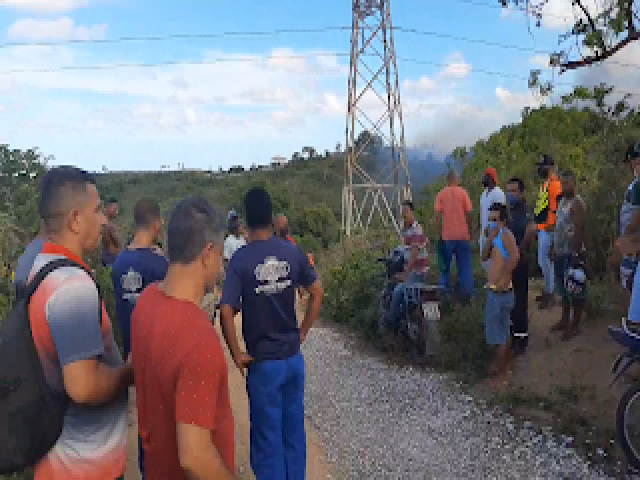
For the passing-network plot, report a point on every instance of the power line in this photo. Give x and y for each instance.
(478, 3)
(176, 36)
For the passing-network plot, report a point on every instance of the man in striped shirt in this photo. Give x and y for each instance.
(416, 266)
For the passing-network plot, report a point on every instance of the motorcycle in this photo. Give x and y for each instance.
(420, 310)
(628, 410)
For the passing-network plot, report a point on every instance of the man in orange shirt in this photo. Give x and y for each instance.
(453, 222)
(545, 217)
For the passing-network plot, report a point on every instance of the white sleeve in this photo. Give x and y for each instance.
(228, 249)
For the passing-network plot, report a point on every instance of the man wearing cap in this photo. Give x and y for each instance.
(492, 194)
(545, 216)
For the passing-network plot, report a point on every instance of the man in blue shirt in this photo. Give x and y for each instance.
(261, 280)
(136, 267)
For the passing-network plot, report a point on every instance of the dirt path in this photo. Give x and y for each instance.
(318, 467)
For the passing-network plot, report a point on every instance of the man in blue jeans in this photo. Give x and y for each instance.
(261, 280)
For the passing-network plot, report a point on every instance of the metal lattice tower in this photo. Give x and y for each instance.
(374, 187)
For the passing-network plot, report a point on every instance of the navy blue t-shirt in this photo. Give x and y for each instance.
(261, 279)
(132, 272)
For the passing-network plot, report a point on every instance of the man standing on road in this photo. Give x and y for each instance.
(182, 389)
(261, 281)
(545, 216)
(491, 194)
(521, 225)
(453, 223)
(415, 269)
(73, 336)
(138, 266)
(111, 244)
(568, 256)
(501, 251)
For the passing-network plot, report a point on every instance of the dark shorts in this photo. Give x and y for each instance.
(560, 266)
(497, 321)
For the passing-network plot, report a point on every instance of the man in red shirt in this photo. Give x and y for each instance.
(281, 226)
(182, 391)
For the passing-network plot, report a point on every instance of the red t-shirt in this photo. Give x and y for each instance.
(181, 377)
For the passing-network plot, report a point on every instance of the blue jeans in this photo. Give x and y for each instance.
(545, 240)
(277, 437)
(497, 320)
(398, 298)
(462, 250)
(141, 459)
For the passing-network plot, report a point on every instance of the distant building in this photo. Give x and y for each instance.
(279, 161)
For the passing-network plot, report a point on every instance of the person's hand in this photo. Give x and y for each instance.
(129, 358)
(303, 336)
(627, 245)
(492, 234)
(242, 361)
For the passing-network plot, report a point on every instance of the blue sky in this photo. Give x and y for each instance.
(291, 92)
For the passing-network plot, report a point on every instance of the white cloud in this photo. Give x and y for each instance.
(422, 85)
(44, 6)
(560, 14)
(64, 28)
(540, 60)
(456, 67)
(516, 101)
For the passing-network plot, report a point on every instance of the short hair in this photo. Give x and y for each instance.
(517, 181)
(501, 208)
(145, 212)
(452, 175)
(61, 190)
(408, 203)
(259, 209)
(193, 224)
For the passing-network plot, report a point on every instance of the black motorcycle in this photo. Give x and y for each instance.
(420, 311)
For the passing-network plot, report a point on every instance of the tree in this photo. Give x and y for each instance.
(598, 32)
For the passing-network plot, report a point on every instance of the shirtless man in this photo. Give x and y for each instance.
(502, 253)
(111, 245)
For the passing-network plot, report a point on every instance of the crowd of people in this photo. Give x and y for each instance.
(505, 229)
(173, 355)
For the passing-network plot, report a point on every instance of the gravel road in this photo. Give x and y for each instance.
(382, 421)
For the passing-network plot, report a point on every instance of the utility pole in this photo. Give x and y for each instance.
(374, 187)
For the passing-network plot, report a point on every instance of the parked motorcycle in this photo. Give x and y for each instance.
(628, 411)
(420, 310)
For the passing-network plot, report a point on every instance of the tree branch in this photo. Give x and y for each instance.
(603, 55)
(586, 14)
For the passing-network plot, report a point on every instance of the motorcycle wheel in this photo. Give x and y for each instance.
(418, 350)
(628, 424)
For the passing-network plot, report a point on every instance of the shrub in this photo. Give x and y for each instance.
(463, 348)
(353, 291)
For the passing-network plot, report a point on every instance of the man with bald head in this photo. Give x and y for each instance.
(281, 226)
(453, 222)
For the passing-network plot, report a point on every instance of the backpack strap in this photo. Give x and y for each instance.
(39, 277)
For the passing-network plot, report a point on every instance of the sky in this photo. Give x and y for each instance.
(68, 87)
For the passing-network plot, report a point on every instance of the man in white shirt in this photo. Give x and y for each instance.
(236, 238)
(492, 194)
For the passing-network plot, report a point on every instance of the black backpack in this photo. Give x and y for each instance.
(31, 412)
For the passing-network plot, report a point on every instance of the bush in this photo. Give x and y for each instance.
(353, 292)
(463, 348)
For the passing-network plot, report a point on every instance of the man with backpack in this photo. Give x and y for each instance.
(73, 336)
(261, 280)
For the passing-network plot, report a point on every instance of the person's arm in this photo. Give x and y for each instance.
(530, 233)
(198, 457)
(468, 209)
(438, 217)
(73, 315)
(308, 279)
(89, 382)
(488, 246)
(438, 209)
(555, 190)
(578, 214)
(229, 306)
(197, 393)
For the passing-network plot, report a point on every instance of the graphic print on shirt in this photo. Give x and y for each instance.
(131, 283)
(270, 275)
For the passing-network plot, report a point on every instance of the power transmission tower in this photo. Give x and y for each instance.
(376, 176)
